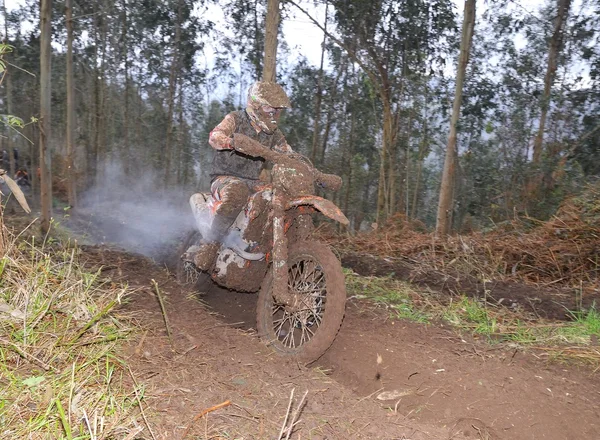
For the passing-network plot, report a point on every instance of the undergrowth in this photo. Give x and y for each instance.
(574, 339)
(59, 376)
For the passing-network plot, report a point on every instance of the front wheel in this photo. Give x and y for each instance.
(315, 274)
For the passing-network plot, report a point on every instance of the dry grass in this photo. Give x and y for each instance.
(563, 251)
(59, 377)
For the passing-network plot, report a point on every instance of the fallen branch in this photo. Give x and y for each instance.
(164, 312)
(288, 428)
(202, 414)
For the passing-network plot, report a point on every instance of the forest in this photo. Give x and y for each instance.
(460, 300)
(150, 79)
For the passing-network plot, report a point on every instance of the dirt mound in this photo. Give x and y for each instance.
(551, 268)
(563, 250)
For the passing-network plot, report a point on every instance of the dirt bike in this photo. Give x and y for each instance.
(269, 249)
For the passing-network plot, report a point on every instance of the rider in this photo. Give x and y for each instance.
(235, 175)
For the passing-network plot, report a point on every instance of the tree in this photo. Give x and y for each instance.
(444, 213)
(9, 100)
(45, 95)
(71, 194)
(319, 94)
(393, 42)
(272, 27)
(562, 12)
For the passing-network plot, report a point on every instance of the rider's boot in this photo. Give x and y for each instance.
(209, 246)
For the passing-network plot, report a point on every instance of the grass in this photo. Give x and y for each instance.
(59, 376)
(565, 340)
(394, 294)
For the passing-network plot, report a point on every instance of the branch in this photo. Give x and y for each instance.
(340, 43)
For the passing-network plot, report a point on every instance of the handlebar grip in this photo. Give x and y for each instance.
(329, 181)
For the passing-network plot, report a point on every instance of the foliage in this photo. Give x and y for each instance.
(148, 76)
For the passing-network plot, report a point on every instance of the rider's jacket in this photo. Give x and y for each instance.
(227, 161)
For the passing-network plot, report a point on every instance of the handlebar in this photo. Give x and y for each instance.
(328, 181)
(250, 147)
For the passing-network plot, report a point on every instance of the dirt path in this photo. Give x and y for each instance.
(435, 384)
(211, 362)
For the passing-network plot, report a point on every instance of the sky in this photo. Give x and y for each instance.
(304, 37)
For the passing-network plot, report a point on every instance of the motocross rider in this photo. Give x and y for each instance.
(235, 175)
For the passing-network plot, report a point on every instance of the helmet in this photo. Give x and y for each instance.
(265, 102)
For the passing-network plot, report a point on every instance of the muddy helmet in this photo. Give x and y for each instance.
(266, 100)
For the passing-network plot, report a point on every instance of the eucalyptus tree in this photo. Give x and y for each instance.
(444, 217)
(45, 104)
(393, 42)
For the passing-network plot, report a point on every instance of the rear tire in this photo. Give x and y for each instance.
(184, 274)
(316, 273)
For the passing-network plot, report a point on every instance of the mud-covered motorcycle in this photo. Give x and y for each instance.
(270, 249)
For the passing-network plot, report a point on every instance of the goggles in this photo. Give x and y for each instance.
(271, 110)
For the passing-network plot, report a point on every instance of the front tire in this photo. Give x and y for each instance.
(316, 274)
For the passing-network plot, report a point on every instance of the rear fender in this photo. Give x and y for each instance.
(322, 205)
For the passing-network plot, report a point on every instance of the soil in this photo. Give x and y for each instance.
(381, 379)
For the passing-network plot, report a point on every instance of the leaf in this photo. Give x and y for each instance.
(16, 192)
(395, 394)
(34, 381)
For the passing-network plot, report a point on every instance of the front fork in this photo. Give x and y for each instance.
(281, 292)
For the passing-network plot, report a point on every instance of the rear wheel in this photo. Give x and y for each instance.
(315, 275)
(185, 272)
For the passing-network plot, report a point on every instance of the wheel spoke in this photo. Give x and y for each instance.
(306, 279)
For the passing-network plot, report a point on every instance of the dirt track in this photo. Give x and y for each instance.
(439, 386)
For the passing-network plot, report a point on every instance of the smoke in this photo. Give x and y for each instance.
(137, 214)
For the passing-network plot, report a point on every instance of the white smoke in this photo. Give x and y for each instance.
(138, 215)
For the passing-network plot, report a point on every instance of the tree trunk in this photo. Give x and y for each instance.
(9, 108)
(444, 212)
(173, 77)
(96, 119)
(319, 97)
(272, 26)
(125, 153)
(329, 118)
(71, 185)
(421, 158)
(555, 46)
(45, 95)
(387, 170)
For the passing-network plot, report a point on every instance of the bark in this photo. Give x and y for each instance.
(71, 184)
(387, 171)
(319, 97)
(126, 104)
(181, 167)
(444, 212)
(329, 118)
(272, 26)
(173, 79)
(97, 116)
(422, 151)
(9, 110)
(45, 156)
(554, 50)
(9, 106)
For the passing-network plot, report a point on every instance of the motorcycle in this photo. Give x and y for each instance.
(270, 249)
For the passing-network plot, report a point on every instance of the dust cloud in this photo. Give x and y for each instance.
(139, 214)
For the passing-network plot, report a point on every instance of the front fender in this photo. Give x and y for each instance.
(325, 206)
